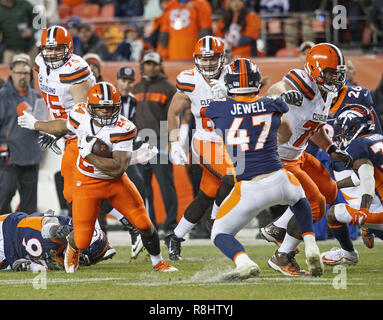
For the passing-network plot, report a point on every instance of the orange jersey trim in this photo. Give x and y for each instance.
(120, 137)
(333, 110)
(188, 87)
(73, 122)
(300, 85)
(78, 75)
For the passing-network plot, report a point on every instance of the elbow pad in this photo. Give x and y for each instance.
(367, 181)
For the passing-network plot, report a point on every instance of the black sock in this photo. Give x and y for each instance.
(152, 243)
(342, 234)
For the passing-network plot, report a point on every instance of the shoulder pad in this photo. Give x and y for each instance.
(128, 132)
(38, 61)
(186, 81)
(78, 111)
(74, 70)
(302, 81)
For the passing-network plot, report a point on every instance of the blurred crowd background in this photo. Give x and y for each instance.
(122, 30)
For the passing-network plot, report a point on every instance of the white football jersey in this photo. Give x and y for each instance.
(306, 119)
(55, 83)
(193, 84)
(118, 136)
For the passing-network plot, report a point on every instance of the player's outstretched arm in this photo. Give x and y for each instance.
(55, 127)
(279, 88)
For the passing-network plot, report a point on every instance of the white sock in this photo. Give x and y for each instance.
(284, 219)
(116, 214)
(214, 211)
(289, 244)
(309, 240)
(183, 228)
(156, 259)
(243, 259)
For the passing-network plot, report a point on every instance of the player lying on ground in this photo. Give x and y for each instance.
(38, 241)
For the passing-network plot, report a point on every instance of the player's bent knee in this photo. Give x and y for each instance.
(331, 218)
(331, 193)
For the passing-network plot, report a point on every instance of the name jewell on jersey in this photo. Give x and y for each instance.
(246, 108)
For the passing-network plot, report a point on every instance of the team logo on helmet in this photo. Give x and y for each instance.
(354, 120)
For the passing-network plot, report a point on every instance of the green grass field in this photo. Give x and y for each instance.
(198, 279)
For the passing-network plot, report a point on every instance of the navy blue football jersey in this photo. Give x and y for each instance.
(349, 95)
(248, 127)
(353, 95)
(22, 238)
(370, 147)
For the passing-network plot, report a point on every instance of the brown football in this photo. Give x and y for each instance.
(100, 148)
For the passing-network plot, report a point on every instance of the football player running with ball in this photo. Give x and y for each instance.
(254, 126)
(98, 178)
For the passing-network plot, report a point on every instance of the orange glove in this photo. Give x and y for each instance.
(360, 217)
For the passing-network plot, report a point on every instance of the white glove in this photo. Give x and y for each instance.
(143, 154)
(85, 147)
(27, 121)
(177, 154)
(219, 88)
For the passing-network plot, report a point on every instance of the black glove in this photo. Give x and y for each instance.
(293, 97)
(47, 140)
(337, 154)
(60, 232)
(21, 265)
(4, 155)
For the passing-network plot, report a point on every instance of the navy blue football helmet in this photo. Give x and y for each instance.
(354, 120)
(242, 76)
(97, 250)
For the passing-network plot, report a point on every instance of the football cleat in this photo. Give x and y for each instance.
(286, 264)
(272, 233)
(174, 245)
(242, 273)
(340, 256)
(137, 245)
(164, 266)
(109, 253)
(367, 237)
(71, 259)
(314, 261)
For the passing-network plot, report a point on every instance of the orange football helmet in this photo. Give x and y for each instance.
(326, 64)
(56, 46)
(209, 56)
(104, 103)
